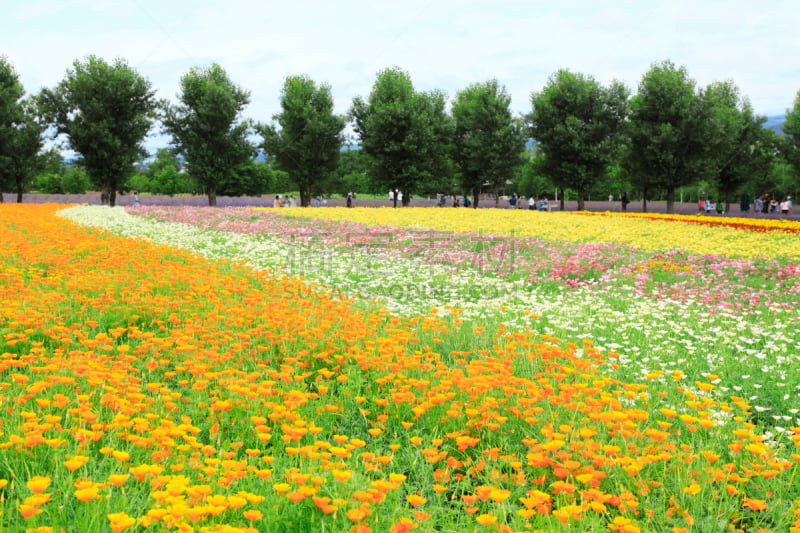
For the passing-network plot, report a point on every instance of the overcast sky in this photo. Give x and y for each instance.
(445, 44)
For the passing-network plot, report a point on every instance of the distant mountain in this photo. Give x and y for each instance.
(775, 123)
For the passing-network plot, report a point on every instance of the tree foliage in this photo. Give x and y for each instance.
(791, 128)
(577, 123)
(105, 110)
(740, 146)
(21, 133)
(669, 132)
(207, 129)
(488, 141)
(404, 132)
(309, 140)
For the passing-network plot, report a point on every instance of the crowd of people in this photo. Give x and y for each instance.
(763, 204)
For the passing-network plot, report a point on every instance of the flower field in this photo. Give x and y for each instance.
(184, 369)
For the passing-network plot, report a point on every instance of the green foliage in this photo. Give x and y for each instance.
(310, 136)
(206, 128)
(164, 176)
(791, 128)
(488, 140)
(740, 146)
(351, 175)
(70, 181)
(250, 178)
(105, 110)
(404, 132)
(669, 132)
(577, 123)
(11, 91)
(49, 183)
(21, 133)
(75, 181)
(530, 180)
(283, 182)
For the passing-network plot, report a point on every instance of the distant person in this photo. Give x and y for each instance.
(709, 207)
(466, 201)
(789, 201)
(277, 202)
(135, 198)
(513, 201)
(744, 203)
(701, 206)
(349, 199)
(611, 198)
(531, 203)
(765, 203)
(785, 207)
(624, 201)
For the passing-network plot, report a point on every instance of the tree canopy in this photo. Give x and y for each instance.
(669, 132)
(577, 123)
(404, 132)
(11, 92)
(21, 133)
(206, 127)
(792, 130)
(739, 144)
(309, 140)
(488, 141)
(105, 110)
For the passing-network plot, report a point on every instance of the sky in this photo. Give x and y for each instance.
(445, 44)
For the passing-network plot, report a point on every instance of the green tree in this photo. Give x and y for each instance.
(206, 127)
(529, 179)
(404, 132)
(739, 144)
(791, 129)
(20, 133)
(11, 91)
(669, 132)
(488, 141)
(105, 110)
(310, 136)
(351, 174)
(164, 176)
(577, 123)
(249, 178)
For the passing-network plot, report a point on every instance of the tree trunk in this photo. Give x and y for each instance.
(104, 196)
(406, 199)
(580, 198)
(670, 200)
(1, 197)
(644, 200)
(475, 198)
(394, 200)
(212, 197)
(496, 197)
(305, 196)
(112, 198)
(561, 201)
(727, 201)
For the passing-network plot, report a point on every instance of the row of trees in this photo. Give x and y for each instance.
(669, 135)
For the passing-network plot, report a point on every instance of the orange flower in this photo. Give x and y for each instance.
(486, 519)
(75, 463)
(253, 515)
(38, 484)
(28, 510)
(120, 521)
(415, 500)
(86, 494)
